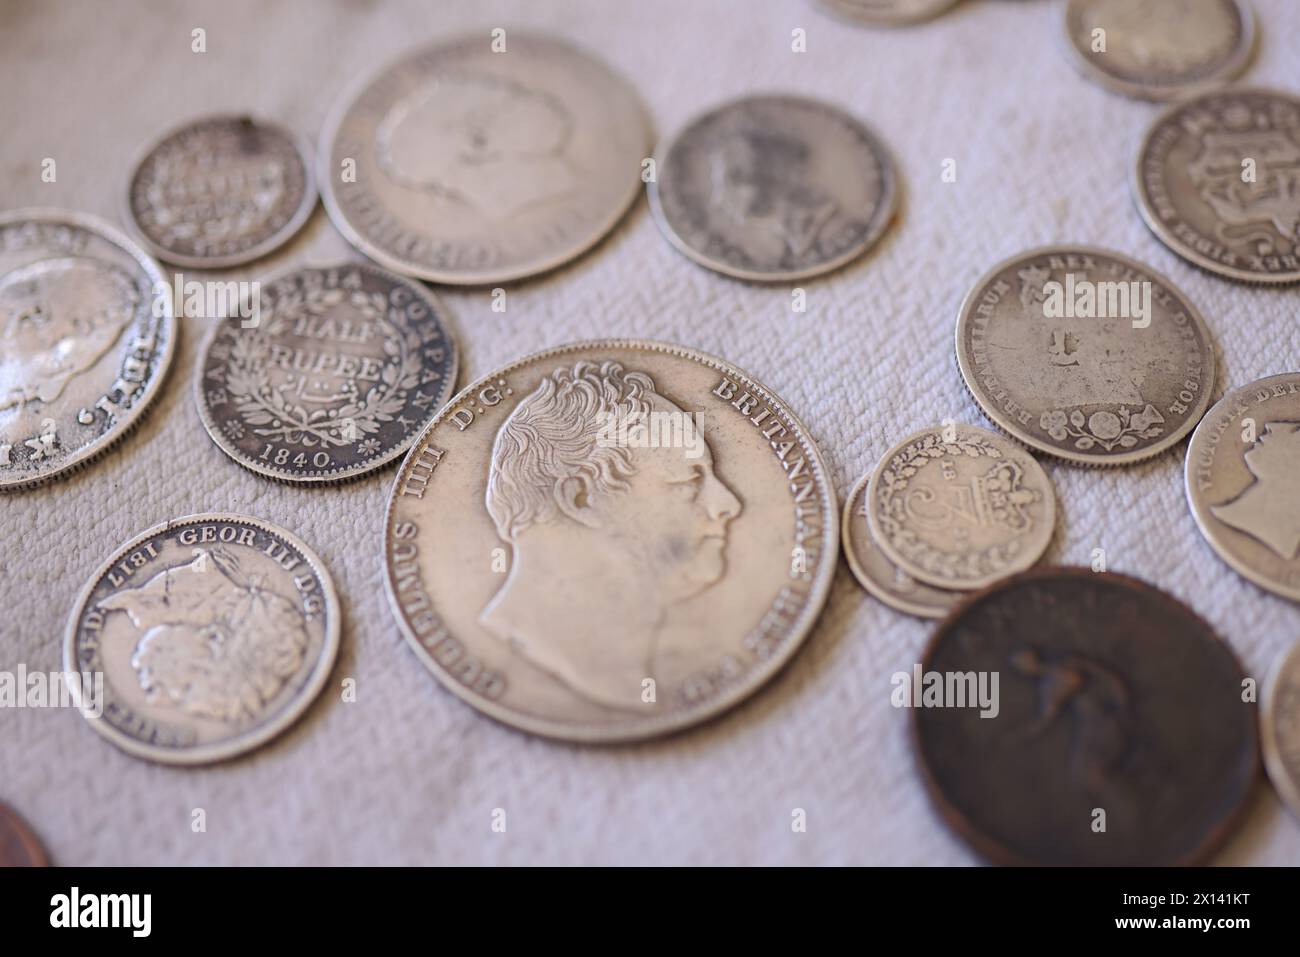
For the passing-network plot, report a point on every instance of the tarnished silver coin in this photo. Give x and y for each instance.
(1215, 180)
(221, 191)
(610, 540)
(1280, 727)
(1159, 49)
(87, 334)
(886, 13)
(1243, 481)
(1085, 354)
(878, 575)
(333, 377)
(774, 188)
(960, 507)
(460, 164)
(202, 638)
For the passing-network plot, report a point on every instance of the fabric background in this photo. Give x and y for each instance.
(408, 774)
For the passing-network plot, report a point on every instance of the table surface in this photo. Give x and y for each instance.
(408, 774)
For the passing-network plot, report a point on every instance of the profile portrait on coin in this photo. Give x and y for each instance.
(1263, 210)
(59, 317)
(1268, 509)
(605, 535)
(486, 141)
(213, 643)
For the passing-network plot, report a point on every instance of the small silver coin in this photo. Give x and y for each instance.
(87, 334)
(1242, 476)
(1280, 727)
(774, 188)
(221, 191)
(878, 575)
(462, 165)
(202, 638)
(1085, 354)
(610, 540)
(1159, 49)
(1215, 181)
(886, 13)
(959, 507)
(339, 371)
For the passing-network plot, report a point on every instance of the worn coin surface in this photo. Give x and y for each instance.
(1215, 181)
(886, 13)
(221, 191)
(332, 377)
(462, 165)
(774, 188)
(19, 847)
(1112, 704)
(1280, 727)
(959, 507)
(1242, 475)
(1085, 354)
(87, 334)
(881, 577)
(610, 540)
(212, 634)
(1159, 49)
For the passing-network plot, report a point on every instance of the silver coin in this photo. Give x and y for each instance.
(88, 335)
(886, 13)
(342, 368)
(211, 634)
(610, 540)
(1215, 181)
(1242, 475)
(220, 191)
(959, 507)
(774, 188)
(878, 575)
(462, 165)
(1085, 354)
(1159, 49)
(1280, 727)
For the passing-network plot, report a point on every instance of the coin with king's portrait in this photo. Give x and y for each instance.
(1242, 476)
(87, 333)
(1085, 354)
(610, 540)
(774, 188)
(202, 638)
(483, 159)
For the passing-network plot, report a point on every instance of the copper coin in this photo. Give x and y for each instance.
(19, 847)
(1116, 734)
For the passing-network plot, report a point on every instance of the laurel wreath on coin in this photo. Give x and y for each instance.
(272, 409)
(891, 511)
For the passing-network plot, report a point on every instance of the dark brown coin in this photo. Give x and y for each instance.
(1115, 732)
(18, 845)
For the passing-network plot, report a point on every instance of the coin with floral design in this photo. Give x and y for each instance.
(333, 374)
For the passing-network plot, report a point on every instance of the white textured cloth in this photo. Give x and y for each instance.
(408, 774)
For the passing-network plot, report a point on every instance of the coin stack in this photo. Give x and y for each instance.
(663, 528)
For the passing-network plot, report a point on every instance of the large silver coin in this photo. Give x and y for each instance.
(1243, 481)
(462, 165)
(1215, 180)
(213, 633)
(881, 577)
(774, 188)
(87, 334)
(1085, 354)
(343, 368)
(1159, 49)
(610, 540)
(221, 191)
(1280, 727)
(886, 13)
(959, 507)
